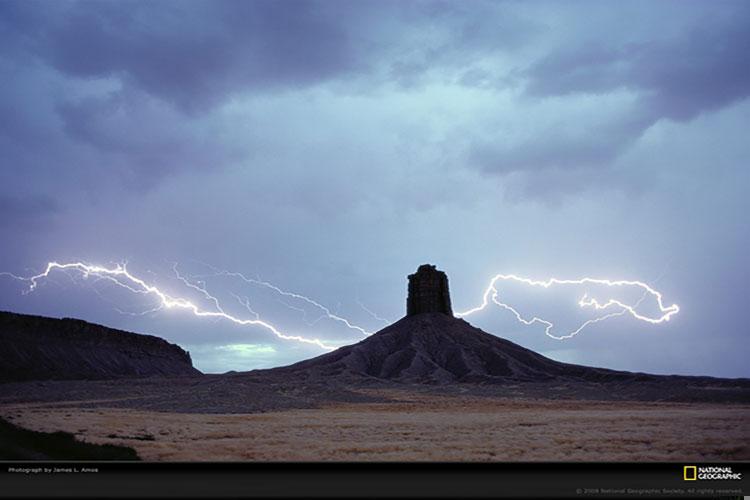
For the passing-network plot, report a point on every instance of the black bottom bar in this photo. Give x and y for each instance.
(372, 480)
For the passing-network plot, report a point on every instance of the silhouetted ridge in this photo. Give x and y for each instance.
(39, 348)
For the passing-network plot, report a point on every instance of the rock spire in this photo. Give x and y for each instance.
(428, 292)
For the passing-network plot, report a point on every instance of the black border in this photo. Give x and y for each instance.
(368, 480)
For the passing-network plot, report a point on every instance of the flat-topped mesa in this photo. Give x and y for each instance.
(428, 292)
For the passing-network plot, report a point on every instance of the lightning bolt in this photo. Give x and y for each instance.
(120, 276)
(373, 314)
(491, 294)
(327, 313)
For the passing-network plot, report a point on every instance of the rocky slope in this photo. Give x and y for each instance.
(438, 349)
(39, 348)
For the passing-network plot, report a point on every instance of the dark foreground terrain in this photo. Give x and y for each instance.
(22, 444)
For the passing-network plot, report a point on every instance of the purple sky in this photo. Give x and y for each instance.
(332, 147)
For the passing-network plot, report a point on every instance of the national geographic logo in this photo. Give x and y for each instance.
(695, 473)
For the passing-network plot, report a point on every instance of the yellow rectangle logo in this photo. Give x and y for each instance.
(690, 473)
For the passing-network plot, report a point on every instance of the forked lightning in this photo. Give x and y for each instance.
(491, 294)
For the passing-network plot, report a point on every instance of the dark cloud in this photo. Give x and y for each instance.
(675, 77)
(196, 53)
(21, 21)
(680, 77)
(577, 143)
(140, 140)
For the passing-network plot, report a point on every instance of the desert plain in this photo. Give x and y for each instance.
(399, 425)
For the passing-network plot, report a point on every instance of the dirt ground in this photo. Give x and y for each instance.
(416, 428)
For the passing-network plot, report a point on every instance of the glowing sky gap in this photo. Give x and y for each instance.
(491, 295)
(119, 273)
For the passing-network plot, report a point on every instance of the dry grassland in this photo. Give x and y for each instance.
(417, 428)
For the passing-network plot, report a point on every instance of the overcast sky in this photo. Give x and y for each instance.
(331, 147)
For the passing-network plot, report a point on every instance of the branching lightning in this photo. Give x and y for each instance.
(120, 276)
(327, 313)
(491, 294)
(373, 314)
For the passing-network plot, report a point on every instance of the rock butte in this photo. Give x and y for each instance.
(428, 292)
